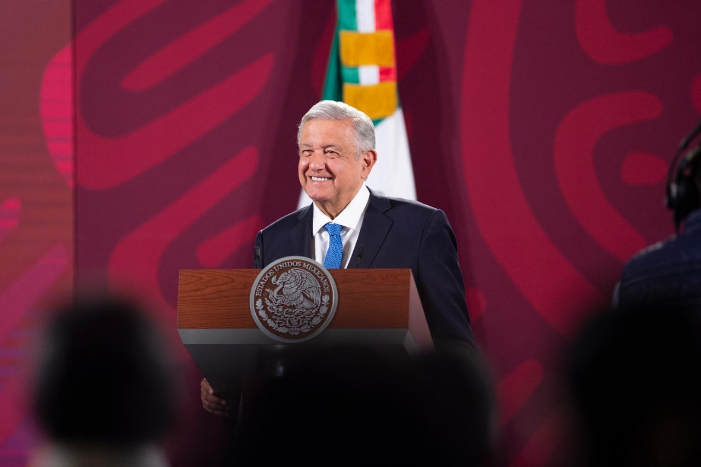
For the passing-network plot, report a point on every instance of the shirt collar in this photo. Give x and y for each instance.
(349, 217)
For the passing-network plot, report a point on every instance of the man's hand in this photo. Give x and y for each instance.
(212, 403)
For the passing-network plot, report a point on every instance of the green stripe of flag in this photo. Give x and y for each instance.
(347, 17)
(333, 85)
(350, 74)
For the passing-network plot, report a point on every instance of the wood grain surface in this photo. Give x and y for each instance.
(367, 298)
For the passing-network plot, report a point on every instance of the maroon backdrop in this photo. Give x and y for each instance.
(543, 129)
(36, 203)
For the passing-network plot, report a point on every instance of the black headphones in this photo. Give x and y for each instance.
(682, 191)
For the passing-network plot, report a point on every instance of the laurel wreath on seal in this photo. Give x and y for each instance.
(292, 321)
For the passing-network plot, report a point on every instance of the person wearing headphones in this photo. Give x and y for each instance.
(669, 272)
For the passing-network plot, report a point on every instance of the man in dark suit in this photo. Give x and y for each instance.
(347, 225)
(396, 233)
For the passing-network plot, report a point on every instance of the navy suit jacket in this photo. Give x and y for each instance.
(396, 233)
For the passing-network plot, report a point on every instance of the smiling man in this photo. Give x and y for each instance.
(331, 169)
(349, 226)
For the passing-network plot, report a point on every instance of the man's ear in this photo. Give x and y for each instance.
(368, 159)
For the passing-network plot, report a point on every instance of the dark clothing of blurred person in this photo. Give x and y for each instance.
(667, 272)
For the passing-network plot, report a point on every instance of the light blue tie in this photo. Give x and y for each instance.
(335, 251)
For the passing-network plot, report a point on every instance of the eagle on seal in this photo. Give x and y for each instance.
(299, 289)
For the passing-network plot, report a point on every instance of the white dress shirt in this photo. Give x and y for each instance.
(351, 220)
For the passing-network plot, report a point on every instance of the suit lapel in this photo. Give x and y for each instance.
(300, 235)
(373, 232)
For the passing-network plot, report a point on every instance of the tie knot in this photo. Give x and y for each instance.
(333, 229)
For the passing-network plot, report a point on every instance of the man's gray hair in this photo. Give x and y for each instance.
(333, 110)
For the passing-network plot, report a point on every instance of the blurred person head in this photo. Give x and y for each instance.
(358, 406)
(103, 377)
(635, 386)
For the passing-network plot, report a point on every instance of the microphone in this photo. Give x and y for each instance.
(361, 250)
(256, 257)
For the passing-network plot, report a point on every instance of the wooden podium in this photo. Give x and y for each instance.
(377, 307)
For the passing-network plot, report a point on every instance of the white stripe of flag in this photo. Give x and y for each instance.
(365, 15)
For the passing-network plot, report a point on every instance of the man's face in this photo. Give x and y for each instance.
(328, 169)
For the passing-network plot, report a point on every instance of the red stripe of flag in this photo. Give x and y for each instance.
(388, 73)
(383, 15)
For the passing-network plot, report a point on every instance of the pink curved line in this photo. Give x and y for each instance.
(9, 216)
(213, 251)
(15, 302)
(12, 407)
(137, 256)
(56, 107)
(517, 387)
(119, 159)
(125, 157)
(17, 299)
(409, 51)
(573, 151)
(476, 303)
(107, 25)
(541, 273)
(696, 93)
(643, 169)
(542, 443)
(191, 45)
(605, 45)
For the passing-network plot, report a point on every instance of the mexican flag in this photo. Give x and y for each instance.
(362, 72)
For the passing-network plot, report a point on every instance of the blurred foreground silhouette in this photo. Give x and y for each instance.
(104, 388)
(636, 389)
(359, 406)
